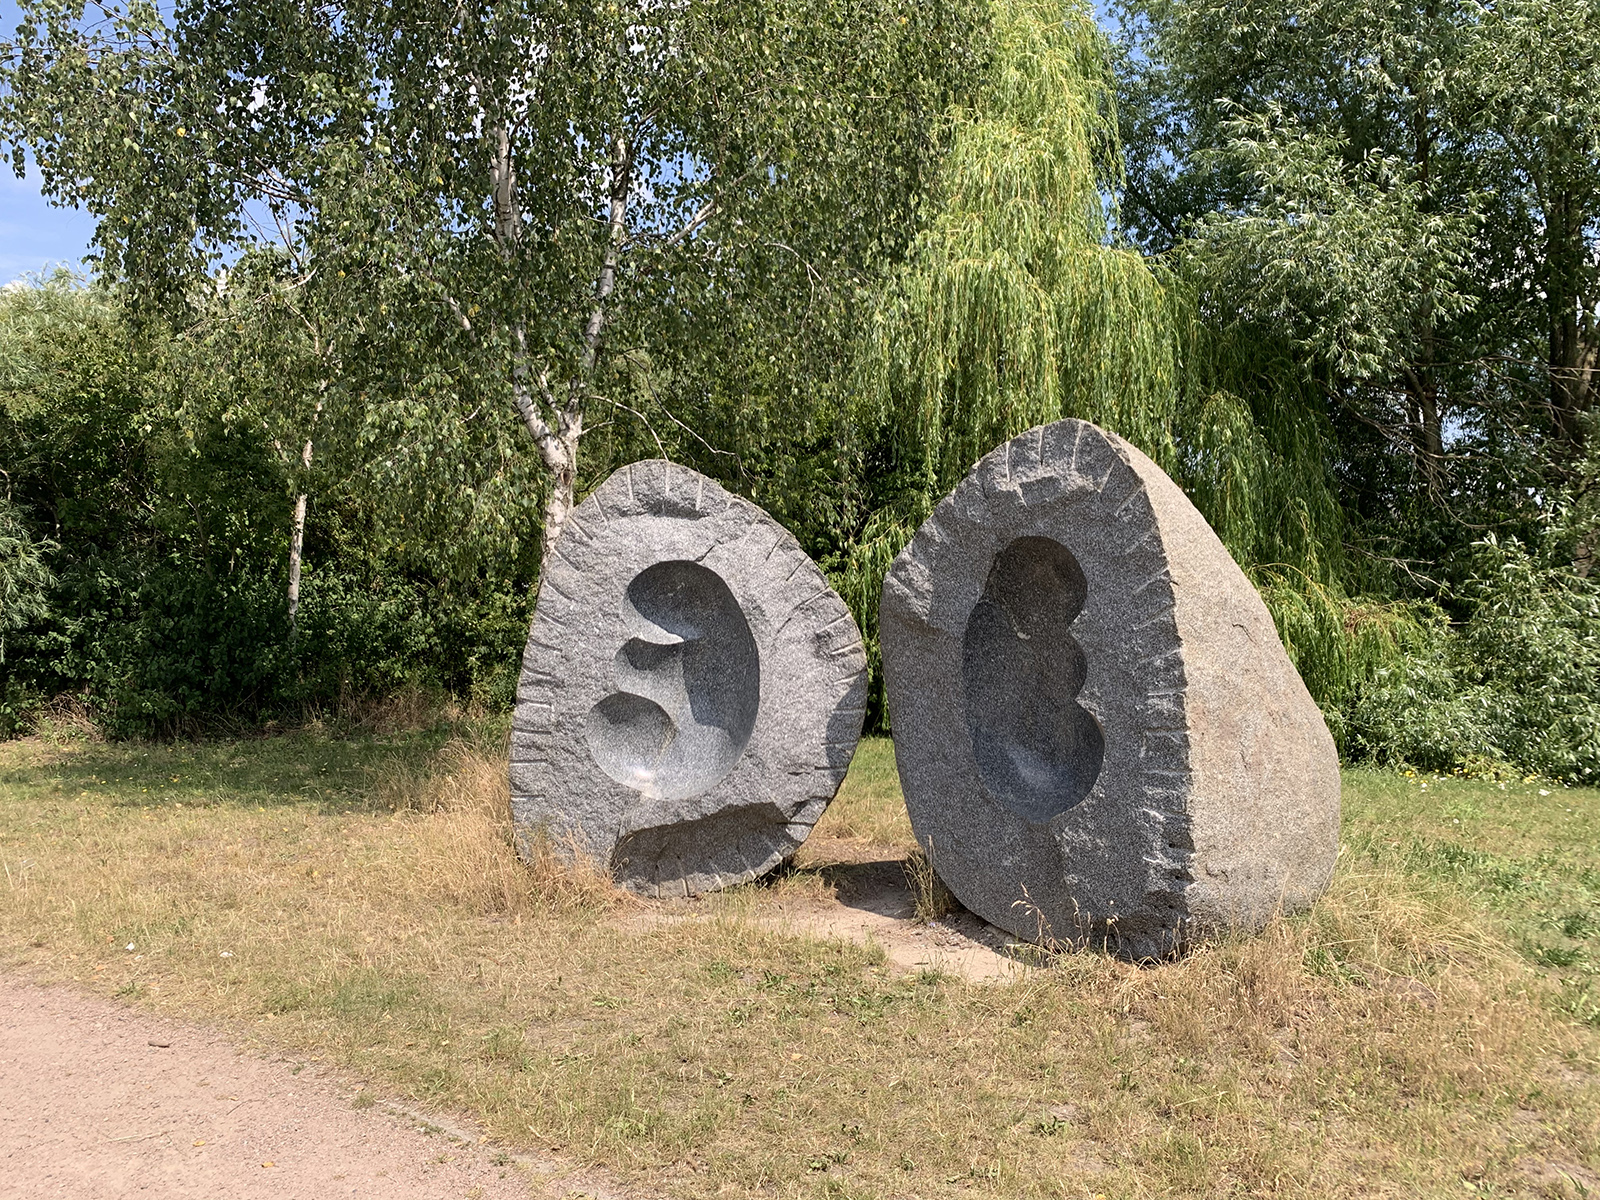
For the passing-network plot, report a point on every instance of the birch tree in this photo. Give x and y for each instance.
(268, 326)
(545, 199)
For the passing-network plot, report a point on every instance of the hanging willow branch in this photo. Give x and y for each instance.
(1021, 304)
(1018, 305)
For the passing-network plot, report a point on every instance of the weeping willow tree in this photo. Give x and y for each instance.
(1017, 304)
(1251, 449)
(1020, 303)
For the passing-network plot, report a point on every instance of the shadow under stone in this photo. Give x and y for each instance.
(879, 887)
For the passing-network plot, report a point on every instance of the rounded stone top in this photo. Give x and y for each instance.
(1099, 734)
(692, 690)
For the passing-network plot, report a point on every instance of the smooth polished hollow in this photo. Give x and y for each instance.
(1038, 751)
(688, 685)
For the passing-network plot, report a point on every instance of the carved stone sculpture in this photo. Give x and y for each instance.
(692, 690)
(1099, 734)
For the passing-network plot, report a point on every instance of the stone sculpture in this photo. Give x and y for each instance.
(1099, 734)
(692, 690)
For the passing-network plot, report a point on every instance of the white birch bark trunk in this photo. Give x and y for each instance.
(558, 440)
(557, 428)
(297, 538)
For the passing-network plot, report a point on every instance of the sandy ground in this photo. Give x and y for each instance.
(872, 903)
(101, 1101)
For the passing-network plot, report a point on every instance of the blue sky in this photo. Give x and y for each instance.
(33, 235)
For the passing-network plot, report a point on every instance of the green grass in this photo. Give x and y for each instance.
(1527, 852)
(1427, 1030)
(869, 808)
(330, 774)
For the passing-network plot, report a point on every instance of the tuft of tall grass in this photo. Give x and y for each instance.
(463, 792)
(930, 897)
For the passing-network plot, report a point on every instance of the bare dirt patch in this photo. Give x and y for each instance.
(1554, 1177)
(867, 901)
(105, 1102)
(872, 902)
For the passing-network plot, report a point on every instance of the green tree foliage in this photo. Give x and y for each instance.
(1514, 686)
(1022, 302)
(164, 504)
(1017, 305)
(1409, 196)
(1387, 222)
(540, 207)
(25, 576)
(363, 237)
(385, 289)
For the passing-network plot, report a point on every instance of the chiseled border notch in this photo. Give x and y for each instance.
(692, 690)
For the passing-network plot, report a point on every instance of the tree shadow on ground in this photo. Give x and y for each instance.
(335, 775)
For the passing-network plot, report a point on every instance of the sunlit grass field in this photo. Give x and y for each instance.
(1431, 1028)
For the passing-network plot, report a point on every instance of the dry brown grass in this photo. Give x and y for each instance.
(473, 862)
(931, 898)
(64, 720)
(372, 910)
(405, 710)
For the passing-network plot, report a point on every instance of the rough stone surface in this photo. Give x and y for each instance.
(692, 690)
(1099, 734)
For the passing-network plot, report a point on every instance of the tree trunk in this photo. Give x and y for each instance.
(297, 535)
(297, 538)
(1432, 428)
(1574, 344)
(563, 493)
(1427, 424)
(556, 421)
(558, 441)
(1422, 378)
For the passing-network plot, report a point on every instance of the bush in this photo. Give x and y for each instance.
(25, 577)
(159, 602)
(1517, 684)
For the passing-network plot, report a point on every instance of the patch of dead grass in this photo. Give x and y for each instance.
(930, 897)
(471, 859)
(1389, 1043)
(65, 720)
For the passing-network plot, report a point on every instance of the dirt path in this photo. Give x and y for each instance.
(100, 1101)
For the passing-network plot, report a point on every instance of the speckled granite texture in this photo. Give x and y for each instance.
(1099, 734)
(692, 690)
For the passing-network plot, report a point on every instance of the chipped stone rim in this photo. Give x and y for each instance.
(1137, 800)
(803, 737)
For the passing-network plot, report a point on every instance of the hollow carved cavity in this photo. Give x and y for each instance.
(688, 685)
(1038, 751)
